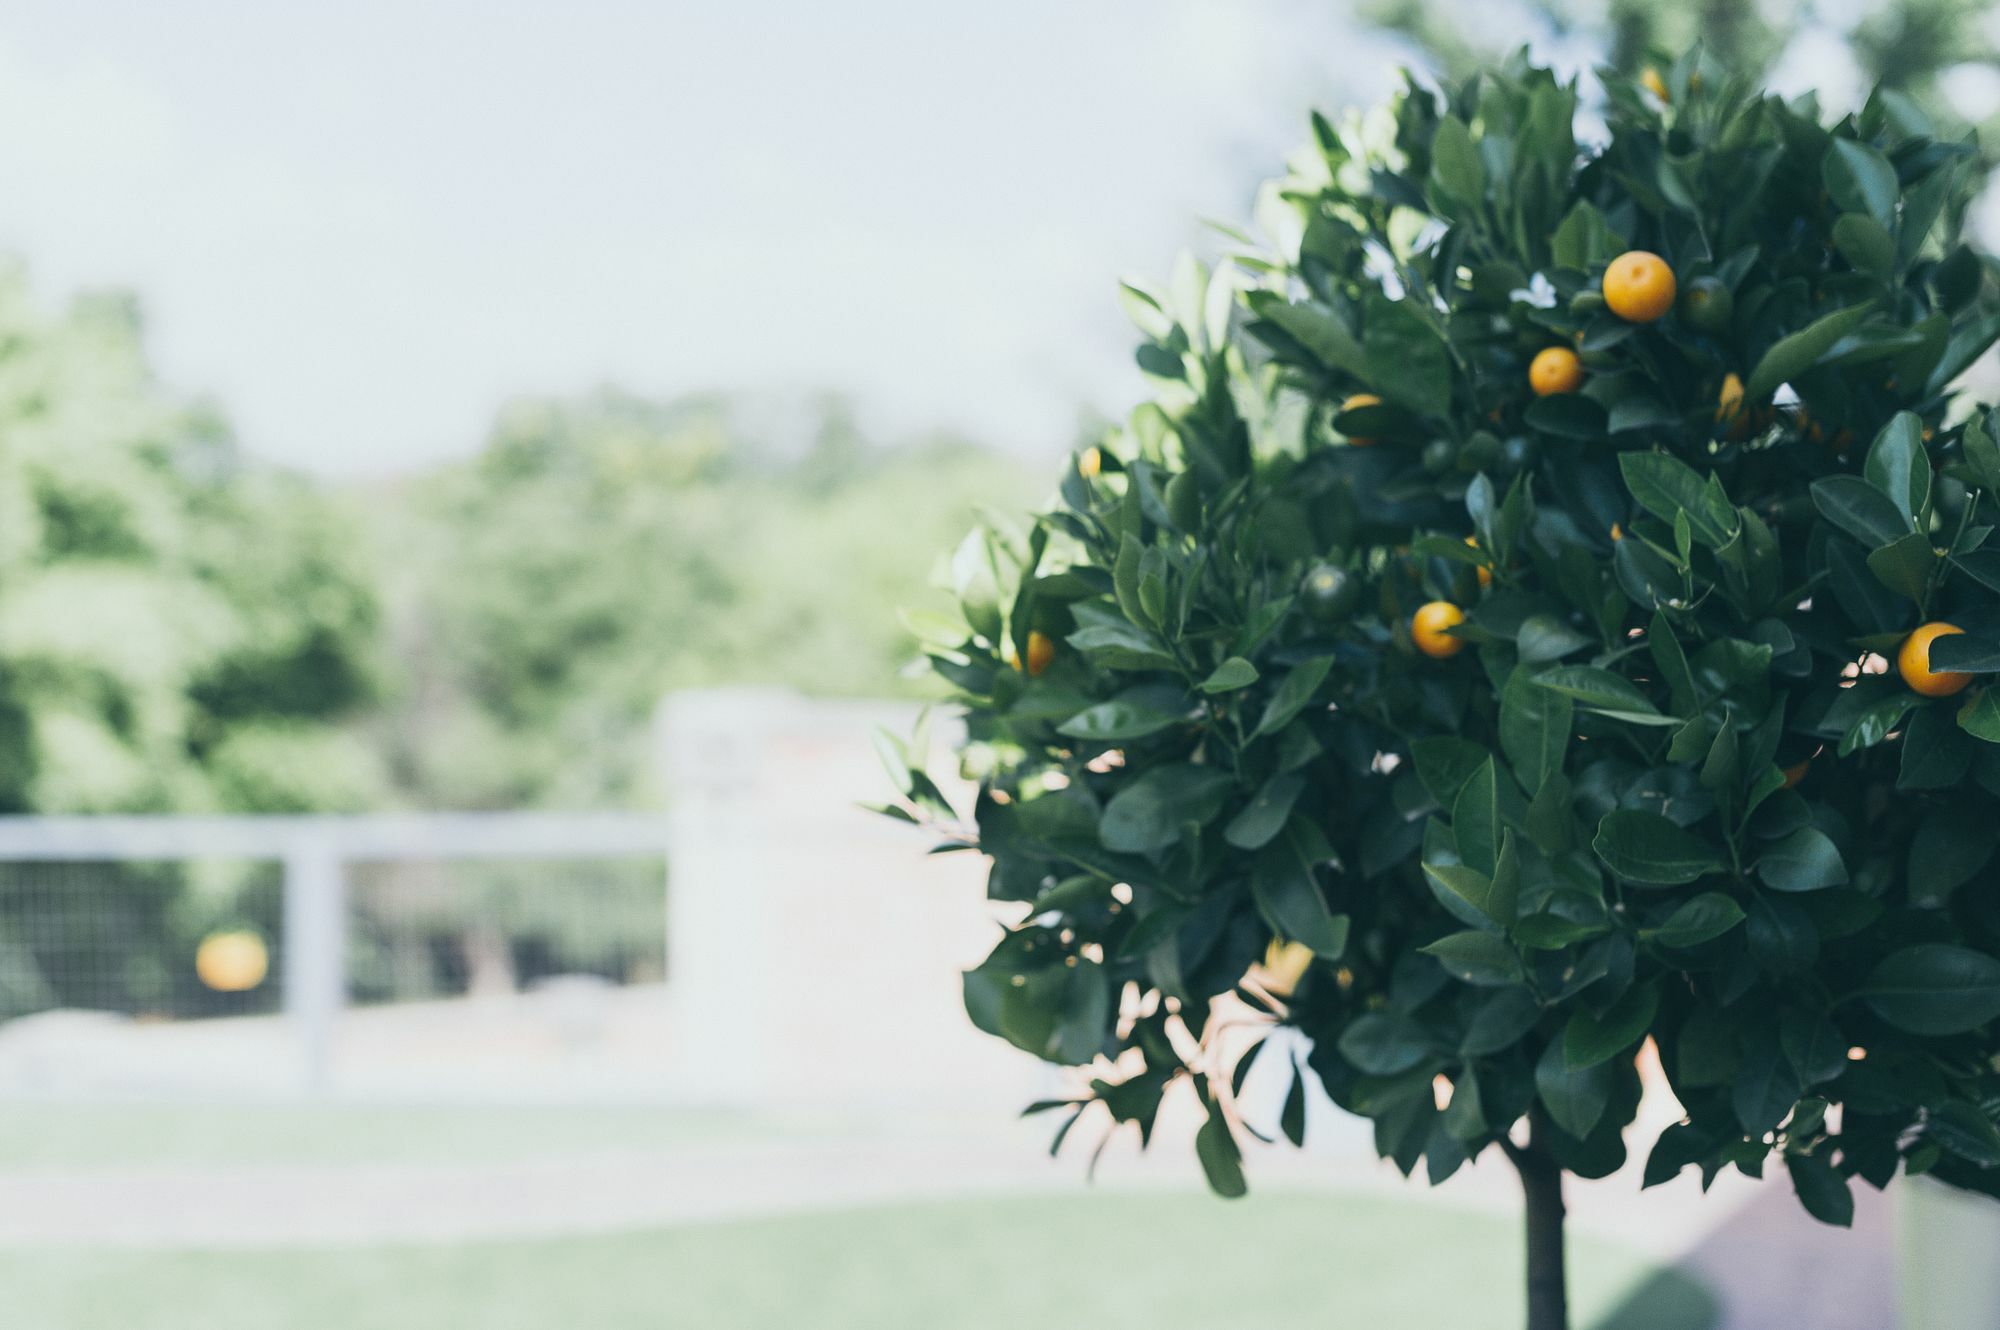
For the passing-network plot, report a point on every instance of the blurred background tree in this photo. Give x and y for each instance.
(1908, 44)
(603, 551)
(180, 629)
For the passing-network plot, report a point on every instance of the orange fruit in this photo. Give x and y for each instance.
(1041, 650)
(1485, 572)
(1430, 629)
(1555, 369)
(1638, 286)
(1355, 403)
(1089, 463)
(1913, 662)
(232, 962)
(1729, 405)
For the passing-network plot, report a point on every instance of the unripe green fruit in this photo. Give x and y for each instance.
(1329, 594)
(1482, 452)
(1438, 456)
(1707, 305)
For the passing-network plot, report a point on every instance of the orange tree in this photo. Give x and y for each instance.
(1506, 649)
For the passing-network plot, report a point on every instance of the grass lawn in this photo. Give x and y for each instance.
(97, 1137)
(1109, 1261)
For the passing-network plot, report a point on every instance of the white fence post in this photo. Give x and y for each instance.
(315, 954)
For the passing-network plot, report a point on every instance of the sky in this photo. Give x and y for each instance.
(361, 228)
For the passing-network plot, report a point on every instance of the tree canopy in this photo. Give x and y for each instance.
(1541, 621)
(179, 630)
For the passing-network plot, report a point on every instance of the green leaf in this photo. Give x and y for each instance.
(1535, 725)
(1568, 416)
(1147, 816)
(1934, 989)
(1822, 1190)
(1444, 764)
(1863, 242)
(1936, 752)
(1980, 716)
(1949, 849)
(1318, 330)
(1543, 637)
(1966, 653)
(1292, 1118)
(1114, 720)
(1702, 919)
(1125, 581)
(1859, 509)
(1407, 360)
(1805, 860)
(1813, 1045)
(1575, 1097)
(1593, 1038)
(1665, 648)
(1765, 1086)
(1584, 238)
(1796, 354)
(1500, 1023)
(1669, 488)
(1874, 722)
(1384, 1043)
(1464, 882)
(1230, 675)
(1964, 1129)
(1982, 452)
(1966, 345)
(1122, 646)
(1264, 816)
(1455, 162)
(1905, 566)
(1281, 881)
(1860, 179)
(1602, 691)
(1550, 824)
(1294, 692)
(1898, 466)
(1475, 818)
(1647, 848)
(1221, 1158)
(1476, 958)
(1493, 895)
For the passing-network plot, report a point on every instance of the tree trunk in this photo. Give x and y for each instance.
(1542, 1187)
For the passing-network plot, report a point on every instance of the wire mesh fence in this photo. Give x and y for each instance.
(164, 923)
(128, 937)
(171, 940)
(423, 929)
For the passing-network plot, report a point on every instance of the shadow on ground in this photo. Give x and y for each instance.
(1669, 1300)
(1772, 1267)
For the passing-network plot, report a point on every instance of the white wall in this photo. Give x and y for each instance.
(814, 949)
